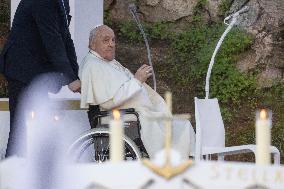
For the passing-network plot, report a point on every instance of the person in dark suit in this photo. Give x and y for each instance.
(39, 44)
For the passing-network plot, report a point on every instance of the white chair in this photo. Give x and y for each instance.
(210, 133)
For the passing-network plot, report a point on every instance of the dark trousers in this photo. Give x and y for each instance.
(17, 128)
(92, 112)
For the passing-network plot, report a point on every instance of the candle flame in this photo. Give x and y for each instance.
(56, 118)
(116, 114)
(32, 114)
(263, 114)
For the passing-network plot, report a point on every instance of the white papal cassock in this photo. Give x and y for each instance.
(110, 85)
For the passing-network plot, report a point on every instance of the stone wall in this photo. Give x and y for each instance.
(161, 10)
(265, 21)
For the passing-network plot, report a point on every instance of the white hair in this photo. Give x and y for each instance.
(92, 35)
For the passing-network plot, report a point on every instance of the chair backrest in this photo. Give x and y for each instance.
(210, 130)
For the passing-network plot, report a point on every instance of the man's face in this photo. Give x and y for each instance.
(104, 44)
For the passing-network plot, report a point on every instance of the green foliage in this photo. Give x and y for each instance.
(3, 89)
(189, 42)
(224, 7)
(227, 114)
(229, 85)
(131, 32)
(199, 7)
(160, 30)
(4, 12)
(245, 135)
(277, 133)
(198, 10)
(194, 49)
(107, 18)
(273, 97)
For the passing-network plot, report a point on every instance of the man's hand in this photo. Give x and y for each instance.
(143, 73)
(75, 86)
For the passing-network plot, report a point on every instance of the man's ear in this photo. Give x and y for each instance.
(92, 46)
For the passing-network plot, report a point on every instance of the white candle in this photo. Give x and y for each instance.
(116, 138)
(168, 98)
(168, 137)
(263, 137)
(30, 132)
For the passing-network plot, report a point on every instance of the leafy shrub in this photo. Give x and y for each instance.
(193, 50)
(277, 133)
(3, 88)
(107, 18)
(224, 7)
(4, 12)
(158, 30)
(130, 31)
(198, 10)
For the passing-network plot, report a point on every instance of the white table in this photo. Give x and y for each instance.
(134, 175)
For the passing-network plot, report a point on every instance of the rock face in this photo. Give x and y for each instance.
(265, 21)
(118, 10)
(164, 10)
(213, 8)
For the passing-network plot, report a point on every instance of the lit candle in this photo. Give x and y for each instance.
(263, 137)
(56, 118)
(116, 138)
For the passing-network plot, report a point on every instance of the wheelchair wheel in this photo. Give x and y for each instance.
(93, 146)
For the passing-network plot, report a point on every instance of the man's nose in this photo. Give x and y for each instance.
(112, 43)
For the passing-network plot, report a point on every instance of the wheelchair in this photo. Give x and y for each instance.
(94, 143)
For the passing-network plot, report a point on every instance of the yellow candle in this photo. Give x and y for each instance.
(263, 137)
(116, 138)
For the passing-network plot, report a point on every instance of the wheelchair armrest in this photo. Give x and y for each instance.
(103, 113)
(107, 113)
(128, 110)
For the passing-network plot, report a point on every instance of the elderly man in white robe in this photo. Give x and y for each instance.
(105, 82)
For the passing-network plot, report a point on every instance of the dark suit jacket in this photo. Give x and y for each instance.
(40, 42)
